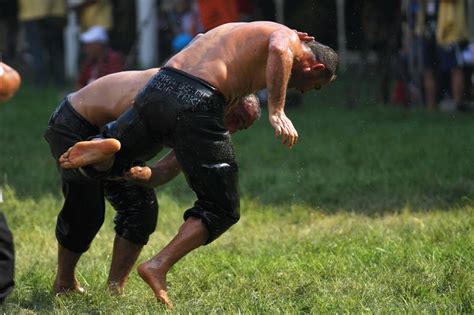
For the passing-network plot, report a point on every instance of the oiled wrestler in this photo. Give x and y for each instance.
(183, 106)
(80, 116)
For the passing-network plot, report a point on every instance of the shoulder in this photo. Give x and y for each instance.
(287, 33)
(273, 27)
(284, 38)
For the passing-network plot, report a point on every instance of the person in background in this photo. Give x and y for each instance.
(213, 13)
(452, 36)
(425, 30)
(188, 25)
(7, 259)
(8, 29)
(7, 252)
(100, 59)
(43, 23)
(93, 13)
(246, 10)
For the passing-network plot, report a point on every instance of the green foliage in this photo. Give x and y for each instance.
(372, 211)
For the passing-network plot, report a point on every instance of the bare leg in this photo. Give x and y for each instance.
(97, 152)
(457, 84)
(124, 255)
(430, 90)
(66, 281)
(191, 235)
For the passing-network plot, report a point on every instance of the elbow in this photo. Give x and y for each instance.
(281, 53)
(276, 49)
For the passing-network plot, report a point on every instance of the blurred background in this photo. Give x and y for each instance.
(372, 210)
(402, 52)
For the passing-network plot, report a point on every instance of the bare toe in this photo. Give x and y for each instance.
(157, 282)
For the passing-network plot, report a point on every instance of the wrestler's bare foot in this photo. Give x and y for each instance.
(99, 152)
(67, 288)
(115, 288)
(156, 279)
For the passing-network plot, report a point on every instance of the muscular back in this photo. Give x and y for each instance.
(108, 97)
(232, 57)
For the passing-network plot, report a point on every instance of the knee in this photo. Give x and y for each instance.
(217, 218)
(137, 226)
(75, 234)
(137, 210)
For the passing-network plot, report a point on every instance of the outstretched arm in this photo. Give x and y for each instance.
(281, 52)
(162, 172)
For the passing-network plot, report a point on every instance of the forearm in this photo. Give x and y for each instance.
(279, 64)
(162, 172)
(281, 53)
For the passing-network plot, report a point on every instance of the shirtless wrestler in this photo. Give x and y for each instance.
(183, 106)
(80, 116)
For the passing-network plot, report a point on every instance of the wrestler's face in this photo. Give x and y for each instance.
(309, 75)
(312, 84)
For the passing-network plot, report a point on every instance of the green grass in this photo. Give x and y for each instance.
(372, 211)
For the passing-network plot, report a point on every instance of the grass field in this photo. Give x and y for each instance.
(372, 211)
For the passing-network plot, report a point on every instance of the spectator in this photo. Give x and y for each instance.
(216, 12)
(425, 30)
(246, 10)
(43, 22)
(100, 59)
(166, 31)
(452, 35)
(7, 259)
(93, 13)
(188, 25)
(380, 21)
(8, 29)
(7, 252)
(188, 18)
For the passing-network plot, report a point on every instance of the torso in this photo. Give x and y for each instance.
(107, 98)
(232, 57)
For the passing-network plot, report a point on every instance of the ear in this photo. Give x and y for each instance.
(318, 66)
(314, 67)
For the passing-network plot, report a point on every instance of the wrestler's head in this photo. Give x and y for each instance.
(10, 81)
(243, 114)
(316, 69)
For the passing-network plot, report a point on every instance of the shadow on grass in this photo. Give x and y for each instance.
(39, 301)
(371, 160)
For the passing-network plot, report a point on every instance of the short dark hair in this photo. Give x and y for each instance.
(253, 102)
(325, 55)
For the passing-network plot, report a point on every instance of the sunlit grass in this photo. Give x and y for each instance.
(371, 212)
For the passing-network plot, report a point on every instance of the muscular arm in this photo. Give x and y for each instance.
(162, 172)
(280, 61)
